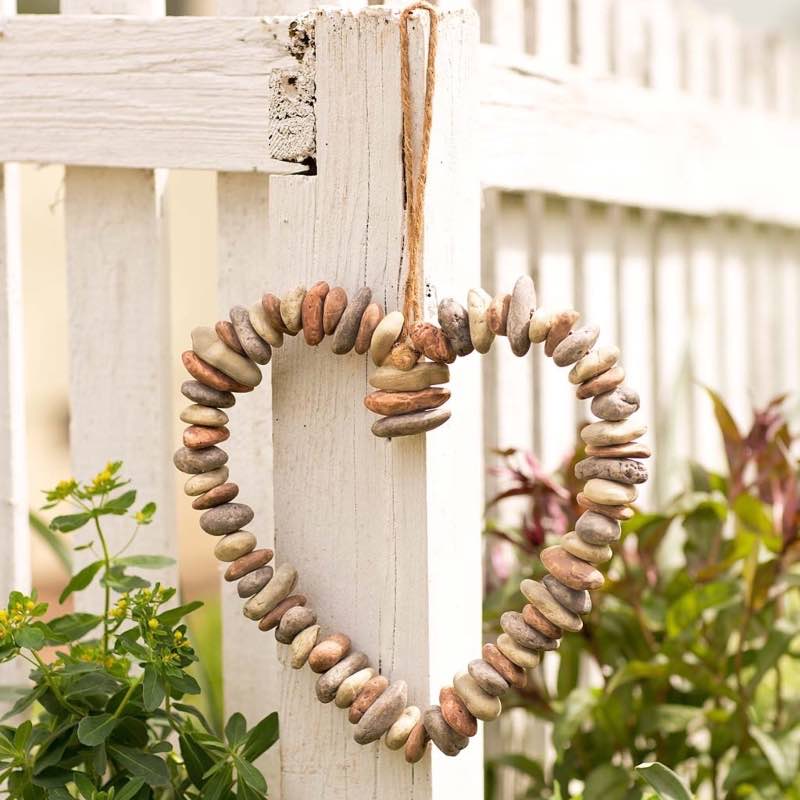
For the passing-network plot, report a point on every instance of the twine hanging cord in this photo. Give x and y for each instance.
(415, 184)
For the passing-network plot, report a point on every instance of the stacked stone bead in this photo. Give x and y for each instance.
(412, 364)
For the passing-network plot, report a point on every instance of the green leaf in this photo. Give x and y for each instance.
(606, 782)
(92, 684)
(26, 700)
(151, 769)
(247, 773)
(174, 615)
(577, 709)
(235, 729)
(634, 671)
(66, 523)
(521, 763)
(85, 786)
(197, 760)
(31, 637)
(96, 729)
(220, 784)
(80, 580)
(782, 756)
(116, 579)
(72, 627)
(145, 562)
(689, 607)
(119, 505)
(152, 689)
(669, 718)
(129, 790)
(23, 735)
(666, 783)
(260, 738)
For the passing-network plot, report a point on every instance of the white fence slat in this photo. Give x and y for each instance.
(550, 32)
(728, 57)
(371, 553)
(592, 31)
(663, 46)
(787, 288)
(629, 42)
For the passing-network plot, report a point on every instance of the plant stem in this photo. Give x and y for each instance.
(106, 587)
(48, 679)
(127, 697)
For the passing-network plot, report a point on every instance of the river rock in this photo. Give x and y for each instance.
(560, 326)
(194, 461)
(372, 316)
(403, 355)
(597, 528)
(254, 582)
(410, 424)
(593, 553)
(480, 704)
(593, 364)
(523, 634)
(277, 589)
(205, 481)
(207, 396)
(601, 384)
(511, 673)
(312, 313)
(416, 744)
(541, 322)
(487, 677)
(527, 659)
(622, 470)
(208, 346)
(627, 450)
(497, 314)
(455, 713)
(302, 645)
(382, 714)
(370, 692)
(203, 372)
(578, 601)
(271, 307)
(385, 335)
(609, 493)
(571, 571)
(273, 618)
(196, 437)
(450, 741)
(223, 493)
(204, 415)
(227, 334)
(398, 734)
(614, 512)
(477, 310)
(390, 404)
(616, 405)
(331, 650)
(226, 518)
(421, 376)
(254, 346)
(523, 302)
(432, 343)
(602, 434)
(265, 327)
(454, 322)
(234, 546)
(292, 309)
(344, 337)
(539, 621)
(538, 595)
(329, 682)
(352, 685)
(575, 346)
(333, 308)
(294, 620)
(253, 560)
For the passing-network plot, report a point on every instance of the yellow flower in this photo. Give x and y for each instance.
(152, 624)
(3, 615)
(178, 636)
(30, 605)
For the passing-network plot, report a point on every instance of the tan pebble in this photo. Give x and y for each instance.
(447, 740)
(403, 356)
(616, 405)
(329, 682)
(513, 674)
(578, 601)
(276, 590)
(575, 346)
(627, 450)
(541, 320)
(234, 545)
(205, 481)
(523, 301)
(370, 319)
(487, 677)
(273, 618)
(312, 310)
(431, 341)
(292, 309)
(333, 308)
(271, 305)
(572, 572)
(601, 384)
(196, 437)
(255, 348)
(389, 404)
(208, 346)
(344, 337)
(536, 619)
(624, 470)
(254, 582)
(477, 309)
(328, 652)
(455, 712)
(521, 656)
(210, 376)
(223, 493)
(454, 322)
(196, 461)
(421, 376)
(597, 529)
(416, 744)
(385, 335)
(540, 598)
(594, 363)
(398, 734)
(560, 327)
(206, 396)
(227, 333)
(513, 623)
(247, 563)
(480, 704)
(204, 415)
(614, 512)
(302, 645)
(350, 687)
(369, 693)
(497, 314)
(609, 493)
(272, 335)
(593, 553)
(608, 433)
(382, 713)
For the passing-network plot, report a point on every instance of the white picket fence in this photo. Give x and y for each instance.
(637, 156)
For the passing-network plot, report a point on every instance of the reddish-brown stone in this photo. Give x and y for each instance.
(539, 621)
(196, 437)
(615, 512)
(372, 315)
(389, 404)
(497, 314)
(328, 652)
(210, 376)
(430, 340)
(371, 691)
(604, 382)
(223, 493)
(560, 327)
(572, 572)
(455, 713)
(333, 308)
(272, 311)
(628, 450)
(247, 563)
(312, 308)
(272, 619)
(227, 334)
(515, 676)
(416, 744)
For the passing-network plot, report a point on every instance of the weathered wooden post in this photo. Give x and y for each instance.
(386, 534)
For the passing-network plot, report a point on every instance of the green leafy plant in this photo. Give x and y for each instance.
(692, 644)
(108, 719)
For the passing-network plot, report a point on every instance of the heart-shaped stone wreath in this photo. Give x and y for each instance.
(412, 366)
